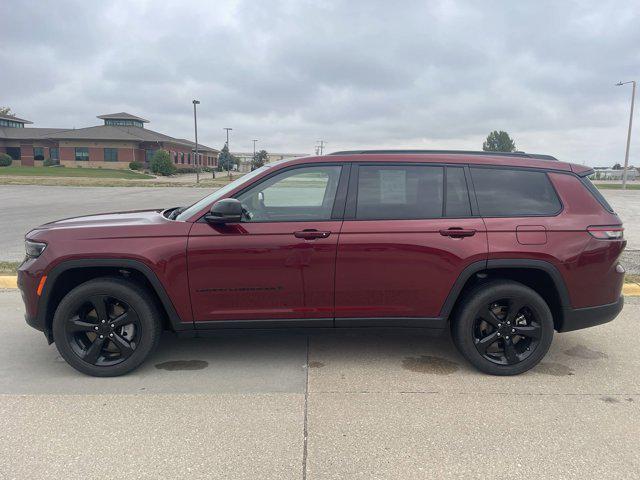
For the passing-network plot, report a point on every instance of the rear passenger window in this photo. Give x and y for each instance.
(513, 193)
(458, 204)
(399, 192)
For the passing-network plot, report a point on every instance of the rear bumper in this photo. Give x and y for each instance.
(577, 318)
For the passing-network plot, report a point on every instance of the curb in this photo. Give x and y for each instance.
(628, 290)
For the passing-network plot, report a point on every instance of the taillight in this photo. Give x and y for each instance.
(606, 232)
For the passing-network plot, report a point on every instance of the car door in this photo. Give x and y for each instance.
(409, 231)
(277, 264)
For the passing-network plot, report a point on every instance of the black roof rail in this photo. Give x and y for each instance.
(536, 156)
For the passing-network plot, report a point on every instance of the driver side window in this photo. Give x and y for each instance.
(300, 194)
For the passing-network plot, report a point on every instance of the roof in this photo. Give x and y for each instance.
(201, 147)
(122, 116)
(27, 133)
(13, 118)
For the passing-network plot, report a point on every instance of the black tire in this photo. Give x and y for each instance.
(482, 335)
(111, 316)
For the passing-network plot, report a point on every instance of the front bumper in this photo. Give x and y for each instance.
(577, 318)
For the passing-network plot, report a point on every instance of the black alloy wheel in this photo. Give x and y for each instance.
(503, 327)
(107, 326)
(103, 330)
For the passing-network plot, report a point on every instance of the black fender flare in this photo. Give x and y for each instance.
(122, 263)
(519, 263)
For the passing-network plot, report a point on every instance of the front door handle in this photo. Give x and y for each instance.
(457, 232)
(311, 234)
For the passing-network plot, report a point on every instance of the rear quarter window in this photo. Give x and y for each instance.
(514, 193)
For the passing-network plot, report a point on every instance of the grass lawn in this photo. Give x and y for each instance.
(9, 267)
(71, 172)
(616, 186)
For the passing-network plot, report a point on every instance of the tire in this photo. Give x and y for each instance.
(106, 327)
(485, 322)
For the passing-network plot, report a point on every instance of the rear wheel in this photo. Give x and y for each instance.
(106, 327)
(503, 327)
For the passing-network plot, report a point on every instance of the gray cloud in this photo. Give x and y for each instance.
(355, 73)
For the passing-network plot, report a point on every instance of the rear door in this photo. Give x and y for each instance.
(409, 231)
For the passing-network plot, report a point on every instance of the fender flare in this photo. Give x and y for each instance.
(124, 263)
(519, 263)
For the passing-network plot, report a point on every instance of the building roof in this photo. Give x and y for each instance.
(13, 118)
(122, 116)
(10, 133)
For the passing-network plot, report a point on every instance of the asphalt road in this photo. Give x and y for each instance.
(26, 206)
(327, 406)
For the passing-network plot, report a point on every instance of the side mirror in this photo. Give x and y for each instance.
(227, 210)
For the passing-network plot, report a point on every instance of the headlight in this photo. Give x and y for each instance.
(34, 249)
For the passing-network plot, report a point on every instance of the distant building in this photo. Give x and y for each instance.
(246, 157)
(122, 139)
(603, 173)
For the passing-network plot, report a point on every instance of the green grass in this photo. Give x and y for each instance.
(9, 267)
(616, 186)
(71, 172)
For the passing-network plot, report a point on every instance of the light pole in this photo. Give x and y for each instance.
(254, 152)
(321, 146)
(195, 126)
(229, 150)
(626, 155)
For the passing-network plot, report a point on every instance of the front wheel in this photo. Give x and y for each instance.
(106, 327)
(503, 327)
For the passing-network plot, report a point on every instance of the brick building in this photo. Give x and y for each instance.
(122, 139)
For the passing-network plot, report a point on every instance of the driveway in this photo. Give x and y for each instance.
(326, 406)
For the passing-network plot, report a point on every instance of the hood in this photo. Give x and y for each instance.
(107, 220)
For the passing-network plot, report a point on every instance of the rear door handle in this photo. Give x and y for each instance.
(311, 234)
(457, 232)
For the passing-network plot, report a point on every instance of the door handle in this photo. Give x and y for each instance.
(457, 232)
(311, 234)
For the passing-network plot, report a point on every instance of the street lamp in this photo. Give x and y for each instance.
(254, 152)
(195, 126)
(229, 150)
(626, 155)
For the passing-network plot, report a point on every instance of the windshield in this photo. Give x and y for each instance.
(210, 199)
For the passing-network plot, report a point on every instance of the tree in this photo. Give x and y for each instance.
(499, 142)
(5, 111)
(161, 163)
(259, 159)
(617, 166)
(226, 160)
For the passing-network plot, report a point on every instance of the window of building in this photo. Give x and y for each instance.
(175, 157)
(189, 158)
(148, 154)
(13, 152)
(305, 193)
(110, 154)
(182, 157)
(54, 153)
(10, 123)
(513, 193)
(457, 204)
(38, 153)
(123, 123)
(82, 154)
(399, 192)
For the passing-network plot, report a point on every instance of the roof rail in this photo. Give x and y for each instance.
(536, 156)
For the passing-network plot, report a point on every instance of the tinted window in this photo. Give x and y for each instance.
(300, 194)
(399, 192)
(458, 204)
(82, 154)
(512, 193)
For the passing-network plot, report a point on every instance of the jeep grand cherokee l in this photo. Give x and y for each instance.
(503, 249)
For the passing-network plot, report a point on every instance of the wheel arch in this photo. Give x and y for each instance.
(69, 274)
(540, 275)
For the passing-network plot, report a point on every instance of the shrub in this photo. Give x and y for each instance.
(5, 160)
(161, 163)
(135, 166)
(47, 162)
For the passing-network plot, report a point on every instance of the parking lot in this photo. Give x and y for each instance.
(323, 406)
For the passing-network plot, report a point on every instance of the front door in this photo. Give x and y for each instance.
(279, 262)
(409, 231)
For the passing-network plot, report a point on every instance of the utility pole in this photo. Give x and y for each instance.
(229, 149)
(320, 147)
(195, 125)
(626, 155)
(254, 152)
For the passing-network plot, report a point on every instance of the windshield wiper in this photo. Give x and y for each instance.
(174, 212)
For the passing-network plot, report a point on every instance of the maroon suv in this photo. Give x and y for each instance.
(503, 249)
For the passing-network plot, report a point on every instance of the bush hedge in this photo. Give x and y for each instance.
(5, 160)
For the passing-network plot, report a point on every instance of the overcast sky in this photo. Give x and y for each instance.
(428, 74)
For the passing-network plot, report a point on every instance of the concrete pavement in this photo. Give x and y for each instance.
(371, 406)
